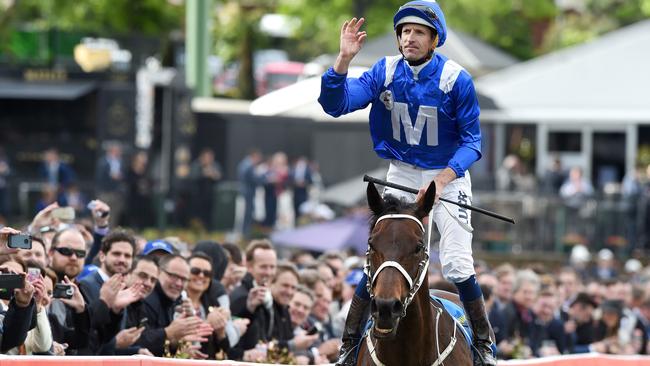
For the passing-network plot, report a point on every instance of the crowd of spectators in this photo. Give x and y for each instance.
(573, 309)
(163, 297)
(210, 300)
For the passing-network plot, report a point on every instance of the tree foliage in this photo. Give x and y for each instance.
(523, 28)
(108, 17)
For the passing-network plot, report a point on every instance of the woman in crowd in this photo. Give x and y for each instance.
(203, 292)
(39, 338)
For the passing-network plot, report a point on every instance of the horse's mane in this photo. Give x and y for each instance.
(392, 205)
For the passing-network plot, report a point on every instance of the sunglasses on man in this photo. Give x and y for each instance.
(68, 252)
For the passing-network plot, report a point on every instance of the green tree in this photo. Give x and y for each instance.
(236, 35)
(96, 17)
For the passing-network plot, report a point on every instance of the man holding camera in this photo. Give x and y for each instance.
(69, 316)
(17, 320)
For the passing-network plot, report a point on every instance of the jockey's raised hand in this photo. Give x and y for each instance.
(351, 42)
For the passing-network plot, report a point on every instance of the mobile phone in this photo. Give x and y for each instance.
(62, 291)
(91, 206)
(19, 241)
(33, 273)
(314, 329)
(64, 213)
(8, 283)
(143, 322)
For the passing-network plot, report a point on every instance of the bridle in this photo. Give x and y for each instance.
(423, 265)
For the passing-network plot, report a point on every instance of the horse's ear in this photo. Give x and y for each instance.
(375, 202)
(425, 203)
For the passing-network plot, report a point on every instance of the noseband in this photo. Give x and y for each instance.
(423, 265)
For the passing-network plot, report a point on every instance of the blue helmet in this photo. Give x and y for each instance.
(427, 13)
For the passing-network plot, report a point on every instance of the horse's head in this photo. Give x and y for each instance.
(397, 256)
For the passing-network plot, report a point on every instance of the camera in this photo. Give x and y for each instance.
(9, 282)
(316, 328)
(19, 241)
(62, 291)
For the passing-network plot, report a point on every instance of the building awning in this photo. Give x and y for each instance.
(11, 89)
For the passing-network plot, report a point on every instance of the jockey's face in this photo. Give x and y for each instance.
(416, 41)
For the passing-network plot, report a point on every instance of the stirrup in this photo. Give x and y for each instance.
(480, 359)
(348, 356)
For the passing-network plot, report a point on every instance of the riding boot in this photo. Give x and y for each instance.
(354, 327)
(482, 330)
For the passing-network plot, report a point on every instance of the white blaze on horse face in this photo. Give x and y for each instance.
(427, 116)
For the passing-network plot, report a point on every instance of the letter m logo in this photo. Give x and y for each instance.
(427, 117)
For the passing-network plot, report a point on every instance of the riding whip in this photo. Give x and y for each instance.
(367, 178)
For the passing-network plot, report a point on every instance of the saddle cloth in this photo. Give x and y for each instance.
(457, 313)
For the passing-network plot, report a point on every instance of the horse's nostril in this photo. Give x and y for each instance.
(373, 306)
(397, 307)
(388, 308)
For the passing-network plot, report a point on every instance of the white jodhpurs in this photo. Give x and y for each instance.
(455, 241)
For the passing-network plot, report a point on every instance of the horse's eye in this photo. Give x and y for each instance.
(370, 248)
(419, 248)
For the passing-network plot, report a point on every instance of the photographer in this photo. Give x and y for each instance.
(69, 316)
(100, 213)
(18, 314)
(39, 338)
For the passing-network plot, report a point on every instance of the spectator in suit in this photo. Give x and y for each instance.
(110, 180)
(144, 275)
(252, 299)
(164, 322)
(55, 172)
(523, 331)
(115, 258)
(249, 179)
(553, 338)
(69, 318)
(282, 289)
(139, 191)
(205, 173)
(299, 309)
(301, 181)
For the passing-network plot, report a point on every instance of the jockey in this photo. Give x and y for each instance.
(425, 120)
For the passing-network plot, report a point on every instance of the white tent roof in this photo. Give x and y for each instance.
(301, 100)
(605, 80)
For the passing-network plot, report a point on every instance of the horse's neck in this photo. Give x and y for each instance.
(420, 317)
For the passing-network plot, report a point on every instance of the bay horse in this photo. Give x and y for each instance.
(408, 328)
